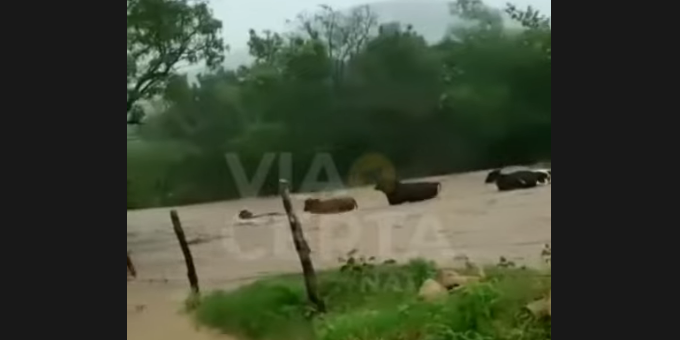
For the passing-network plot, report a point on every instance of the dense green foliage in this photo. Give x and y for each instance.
(160, 35)
(339, 85)
(381, 302)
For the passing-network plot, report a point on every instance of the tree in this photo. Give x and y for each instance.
(499, 92)
(162, 35)
(397, 72)
(342, 35)
(485, 20)
(539, 27)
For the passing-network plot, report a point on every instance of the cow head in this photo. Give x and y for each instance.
(245, 215)
(493, 176)
(386, 186)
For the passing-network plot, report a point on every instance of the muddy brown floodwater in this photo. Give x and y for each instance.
(468, 218)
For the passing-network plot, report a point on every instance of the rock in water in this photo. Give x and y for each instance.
(541, 308)
(448, 278)
(432, 290)
(452, 280)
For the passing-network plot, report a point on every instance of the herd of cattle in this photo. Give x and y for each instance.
(398, 192)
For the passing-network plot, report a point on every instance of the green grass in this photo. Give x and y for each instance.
(379, 302)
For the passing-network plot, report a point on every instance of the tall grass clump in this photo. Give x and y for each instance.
(270, 309)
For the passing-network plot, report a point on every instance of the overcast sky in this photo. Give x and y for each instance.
(239, 16)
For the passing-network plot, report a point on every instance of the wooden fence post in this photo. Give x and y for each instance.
(130, 266)
(303, 250)
(191, 268)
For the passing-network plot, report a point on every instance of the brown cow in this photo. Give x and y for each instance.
(330, 206)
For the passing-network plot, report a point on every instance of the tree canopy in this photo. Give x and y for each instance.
(340, 84)
(161, 35)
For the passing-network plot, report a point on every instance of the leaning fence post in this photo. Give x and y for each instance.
(188, 258)
(303, 250)
(130, 266)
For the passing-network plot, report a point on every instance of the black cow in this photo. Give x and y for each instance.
(522, 179)
(398, 193)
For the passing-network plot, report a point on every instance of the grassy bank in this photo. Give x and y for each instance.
(380, 302)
